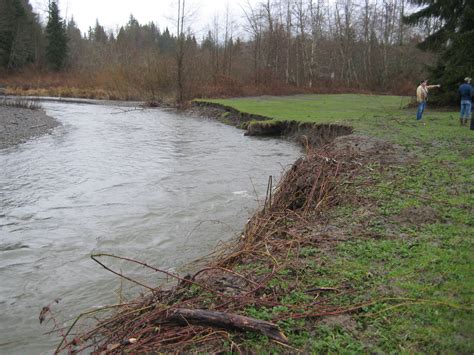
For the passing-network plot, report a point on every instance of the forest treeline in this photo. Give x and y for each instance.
(280, 46)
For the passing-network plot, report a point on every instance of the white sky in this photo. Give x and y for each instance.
(114, 13)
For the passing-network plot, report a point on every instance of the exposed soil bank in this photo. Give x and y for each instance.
(17, 125)
(306, 133)
(225, 114)
(309, 134)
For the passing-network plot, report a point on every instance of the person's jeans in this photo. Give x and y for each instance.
(421, 109)
(466, 108)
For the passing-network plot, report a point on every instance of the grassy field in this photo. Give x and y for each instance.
(410, 252)
(319, 108)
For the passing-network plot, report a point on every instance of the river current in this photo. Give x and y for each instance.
(152, 185)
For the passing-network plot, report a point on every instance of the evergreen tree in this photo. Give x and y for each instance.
(19, 30)
(167, 42)
(454, 41)
(76, 47)
(98, 34)
(57, 48)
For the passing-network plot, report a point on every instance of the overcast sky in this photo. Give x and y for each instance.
(114, 13)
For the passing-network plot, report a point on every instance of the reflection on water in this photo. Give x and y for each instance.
(151, 185)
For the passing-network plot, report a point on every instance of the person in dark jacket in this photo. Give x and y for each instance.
(465, 91)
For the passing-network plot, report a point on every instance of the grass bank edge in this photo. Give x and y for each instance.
(317, 108)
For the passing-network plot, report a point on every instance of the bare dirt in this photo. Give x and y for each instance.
(374, 149)
(417, 215)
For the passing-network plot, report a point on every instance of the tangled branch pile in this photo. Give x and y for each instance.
(203, 310)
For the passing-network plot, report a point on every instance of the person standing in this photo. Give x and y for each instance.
(422, 97)
(465, 92)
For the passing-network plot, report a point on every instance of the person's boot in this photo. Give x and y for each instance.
(461, 121)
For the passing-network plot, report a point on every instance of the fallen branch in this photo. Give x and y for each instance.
(167, 273)
(225, 321)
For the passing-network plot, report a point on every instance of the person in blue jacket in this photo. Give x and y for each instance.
(465, 91)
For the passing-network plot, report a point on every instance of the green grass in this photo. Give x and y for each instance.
(410, 253)
(318, 108)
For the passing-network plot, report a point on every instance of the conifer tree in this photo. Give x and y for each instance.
(57, 49)
(18, 29)
(76, 47)
(454, 41)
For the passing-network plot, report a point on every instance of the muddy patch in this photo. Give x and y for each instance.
(374, 149)
(417, 215)
(343, 321)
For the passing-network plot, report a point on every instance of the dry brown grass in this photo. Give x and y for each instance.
(157, 84)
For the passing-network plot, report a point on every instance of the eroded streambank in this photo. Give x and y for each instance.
(307, 133)
(266, 274)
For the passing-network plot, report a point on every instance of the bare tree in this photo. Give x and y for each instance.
(226, 40)
(301, 24)
(254, 28)
(180, 49)
(367, 15)
(317, 18)
(345, 35)
(288, 40)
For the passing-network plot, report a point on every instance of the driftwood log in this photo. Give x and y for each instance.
(184, 316)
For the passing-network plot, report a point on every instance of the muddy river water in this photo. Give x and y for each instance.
(152, 185)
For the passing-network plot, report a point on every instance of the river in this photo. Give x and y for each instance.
(152, 185)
